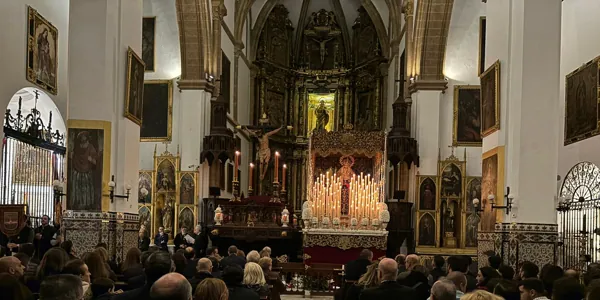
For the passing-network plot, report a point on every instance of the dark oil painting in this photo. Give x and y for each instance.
(148, 42)
(85, 150)
(157, 119)
(134, 94)
(426, 230)
(490, 99)
(187, 189)
(226, 79)
(581, 109)
(467, 116)
(42, 52)
(427, 195)
(451, 181)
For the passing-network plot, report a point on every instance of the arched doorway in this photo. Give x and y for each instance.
(32, 154)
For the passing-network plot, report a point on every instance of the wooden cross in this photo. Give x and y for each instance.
(452, 147)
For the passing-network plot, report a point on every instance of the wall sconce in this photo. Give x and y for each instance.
(58, 189)
(111, 188)
(479, 207)
(509, 201)
(142, 195)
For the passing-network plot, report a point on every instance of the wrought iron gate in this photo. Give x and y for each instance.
(579, 217)
(32, 159)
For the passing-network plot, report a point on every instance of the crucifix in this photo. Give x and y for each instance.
(262, 132)
(452, 147)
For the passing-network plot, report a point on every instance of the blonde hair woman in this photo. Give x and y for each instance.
(211, 289)
(480, 295)
(254, 278)
(367, 280)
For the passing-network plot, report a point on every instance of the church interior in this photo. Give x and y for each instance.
(318, 128)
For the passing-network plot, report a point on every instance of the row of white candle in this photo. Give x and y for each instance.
(364, 196)
(327, 196)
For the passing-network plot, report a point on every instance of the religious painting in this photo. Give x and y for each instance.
(427, 194)
(467, 116)
(426, 230)
(581, 107)
(165, 176)
(321, 112)
(186, 219)
(482, 40)
(157, 120)
(490, 99)
(166, 212)
(32, 165)
(471, 229)
(88, 164)
(451, 181)
(42, 52)
(473, 191)
(144, 219)
(491, 184)
(226, 79)
(145, 181)
(148, 43)
(134, 87)
(187, 188)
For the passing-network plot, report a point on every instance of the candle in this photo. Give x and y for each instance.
(283, 177)
(250, 171)
(276, 166)
(235, 165)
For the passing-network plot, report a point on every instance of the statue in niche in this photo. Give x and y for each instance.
(345, 173)
(167, 215)
(448, 220)
(322, 116)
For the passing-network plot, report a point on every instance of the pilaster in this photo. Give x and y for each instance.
(426, 128)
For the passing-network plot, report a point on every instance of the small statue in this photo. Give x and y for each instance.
(449, 221)
(167, 215)
(322, 116)
(165, 183)
(285, 217)
(218, 216)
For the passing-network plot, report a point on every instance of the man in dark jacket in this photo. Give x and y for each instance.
(461, 264)
(356, 268)
(415, 277)
(43, 237)
(161, 239)
(200, 241)
(25, 236)
(388, 288)
(181, 239)
(233, 259)
(203, 271)
(438, 270)
(143, 241)
(158, 264)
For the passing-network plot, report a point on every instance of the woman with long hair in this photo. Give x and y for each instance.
(484, 276)
(96, 265)
(68, 247)
(367, 280)
(254, 279)
(132, 265)
(52, 263)
(105, 257)
(211, 289)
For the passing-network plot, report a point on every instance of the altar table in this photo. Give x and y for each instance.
(341, 246)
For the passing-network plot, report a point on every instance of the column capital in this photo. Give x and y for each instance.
(218, 10)
(428, 85)
(192, 84)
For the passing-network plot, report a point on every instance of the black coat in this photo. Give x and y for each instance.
(42, 245)
(200, 244)
(389, 290)
(190, 268)
(25, 236)
(161, 241)
(233, 260)
(180, 242)
(240, 292)
(356, 268)
(417, 281)
(144, 243)
(197, 278)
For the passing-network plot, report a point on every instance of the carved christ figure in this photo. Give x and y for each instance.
(264, 152)
(322, 48)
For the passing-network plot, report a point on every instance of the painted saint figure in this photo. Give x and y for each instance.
(83, 158)
(322, 116)
(167, 215)
(43, 56)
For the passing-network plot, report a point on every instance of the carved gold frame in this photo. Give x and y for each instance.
(148, 205)
(499, 151)
(420, 215)
(495, 69)
(32, 14)
(464, 210)
(457, 89)
(153, 46)
(590, 134)
(176, 161)
(420, 180)
(106, 126)
(131, 55)
(194, 206)
(169, 136)
(462, 166)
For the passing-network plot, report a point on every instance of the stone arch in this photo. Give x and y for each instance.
(25, 99)
(194, 22)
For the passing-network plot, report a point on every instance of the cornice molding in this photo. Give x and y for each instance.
(428, 85)
(202, 84)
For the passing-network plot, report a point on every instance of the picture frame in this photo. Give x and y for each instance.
(466, 121)
(42, 52)
(157, 123)
(490, 99)
(482, 41)
(582, 103)
(134, 87)
(149, 43)
(99, 138)
(492, 173)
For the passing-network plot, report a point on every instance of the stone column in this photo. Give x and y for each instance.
(525, 37)
(100, 33)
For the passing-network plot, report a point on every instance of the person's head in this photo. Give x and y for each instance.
(78, 268)
(102, 286)
(212, 289)
(572, 273)
(253, 274)
(241, 253)
(189, 253)
(161, 230)
(567, 288)
(411, 261)
(485, 274)
(103, 254)
(45, 220)
(183, 230)
(233, 250)
(528, 270)
(495, 261)
(443, 289)
(439, 261)
(158, 264)
(593, 290)
(172, 286)
(27, 248)
(253, 256)
(266, 263)
(531, 288)
(212, 251)
(549, 275)
(267, 249)
(132, 258)
(67, 246)
(366, 254)
(506, 272)
(96, 265)
(142, 233)
(204, 265)
(593, 272)
(370, 279)
(387, 270)
(52, 263)
(153, 248)
(12, 266)
(459, 279)
(400, 259)
(506, 289)
(61, 287)
(233, 275)
(23, 258)
(480, 295)
(11, 288)
(179, 261)
(197, 229)
(102, 245)
(457, 263)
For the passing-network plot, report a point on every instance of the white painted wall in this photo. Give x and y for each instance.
(462, 54)
(580, 24)
(13, 18)
(230, 17)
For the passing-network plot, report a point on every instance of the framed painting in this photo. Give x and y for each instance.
(145, 181)
(467, 116)
(482, 36)
(187, 188)
(149, 43)
(581, 103)
(492, 183)
(490, 99)
(426, 233)
(134, 87)
(88, 165)
(157, 123)
(226, 79)
(473, 191)
(427, 193)
(42, 52)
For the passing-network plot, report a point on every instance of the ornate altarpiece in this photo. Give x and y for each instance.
(446, 218)
(321, 63)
